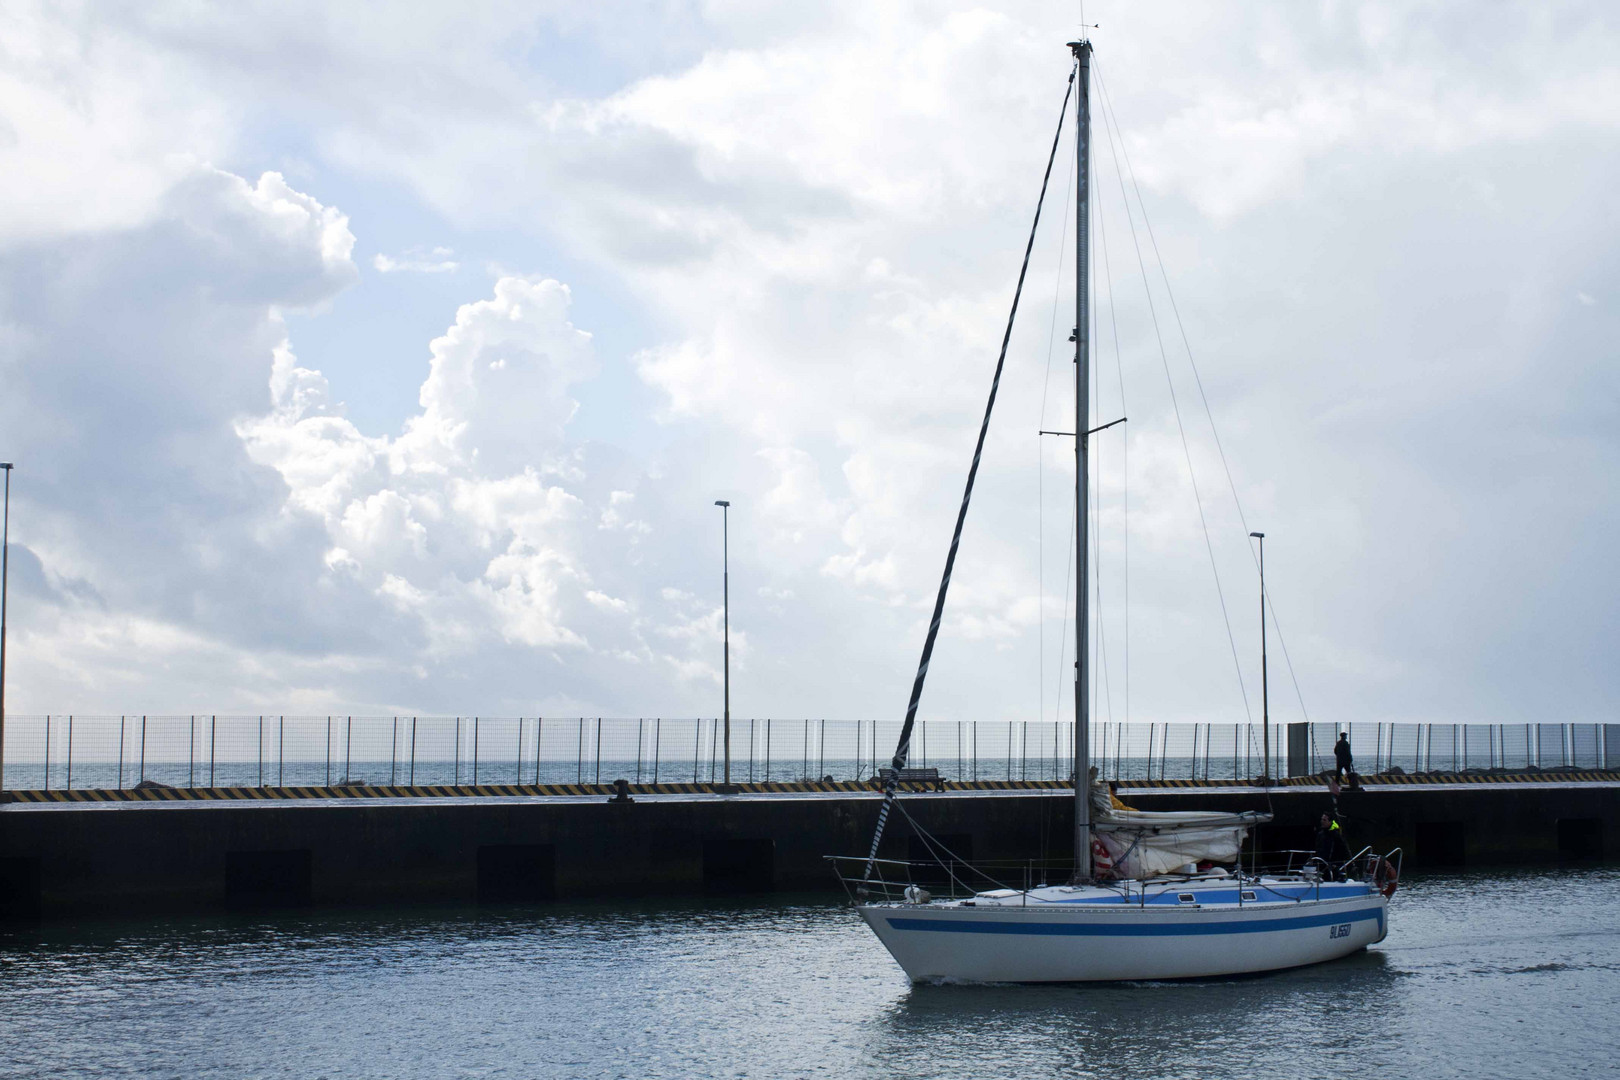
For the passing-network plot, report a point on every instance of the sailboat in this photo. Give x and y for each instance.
(1151, 896)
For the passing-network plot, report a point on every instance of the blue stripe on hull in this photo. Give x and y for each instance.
(1111, 928)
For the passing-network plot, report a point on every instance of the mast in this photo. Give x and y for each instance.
(1082, 418)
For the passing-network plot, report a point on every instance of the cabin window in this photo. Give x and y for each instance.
(1247, 895)
(1187, 898)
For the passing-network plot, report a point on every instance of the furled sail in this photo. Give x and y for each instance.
(1140, 843)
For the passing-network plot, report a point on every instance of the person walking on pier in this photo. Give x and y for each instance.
(1344, 762)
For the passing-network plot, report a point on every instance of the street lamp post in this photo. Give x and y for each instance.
(1265, 701)
(725, 579)
(5, 574)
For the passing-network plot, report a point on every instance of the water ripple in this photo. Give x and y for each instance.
(1482, 974)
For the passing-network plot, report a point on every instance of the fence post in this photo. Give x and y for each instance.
(143, 749)
(213, 725)
(329, 750)
(259, 751)
(475, 751)
(697, 747)
(47, 783)
(517, 771)
(120, 752)
(348, 748)
(413, 752)
(599, 751)
(641, 722)
(281, 751)
(658, 735)
(393, 751)
(191, 752)
(70, 753)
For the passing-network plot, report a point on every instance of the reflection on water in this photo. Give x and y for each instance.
(1486, 974)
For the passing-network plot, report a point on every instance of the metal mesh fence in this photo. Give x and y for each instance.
(255, 751)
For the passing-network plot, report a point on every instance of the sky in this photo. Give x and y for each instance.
(391, 359)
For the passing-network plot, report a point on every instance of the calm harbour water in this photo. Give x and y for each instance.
(1483, 974)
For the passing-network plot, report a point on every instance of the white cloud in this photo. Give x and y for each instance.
(795, 234)
(472, 408)
(416, 261)
(606, 602)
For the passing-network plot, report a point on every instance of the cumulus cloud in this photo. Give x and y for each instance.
(134, 351)
(795, 237)
(452, 517)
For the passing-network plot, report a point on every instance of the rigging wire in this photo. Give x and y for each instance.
(1107, 691)
(1063, 645)
(1094, 499)
(1198, 380)
(1125, 446)
(1040, 472)
(1175, 405)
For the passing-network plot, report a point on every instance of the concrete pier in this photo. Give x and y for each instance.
(83, 858)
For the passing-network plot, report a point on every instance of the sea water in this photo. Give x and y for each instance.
(1483, 974)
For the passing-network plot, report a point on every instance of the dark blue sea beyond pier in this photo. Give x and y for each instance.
(1486, 974)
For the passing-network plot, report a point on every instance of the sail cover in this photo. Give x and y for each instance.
(1140, 843)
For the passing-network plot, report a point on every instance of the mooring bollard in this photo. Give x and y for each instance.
(621, 792)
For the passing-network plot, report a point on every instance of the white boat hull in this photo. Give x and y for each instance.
(1051, 942)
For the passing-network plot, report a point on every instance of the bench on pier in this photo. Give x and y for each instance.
(929, 776)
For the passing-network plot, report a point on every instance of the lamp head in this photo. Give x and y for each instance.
(1260, 536)
(6, 465)
(721, 502)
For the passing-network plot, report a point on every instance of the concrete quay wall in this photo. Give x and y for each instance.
(72, 860)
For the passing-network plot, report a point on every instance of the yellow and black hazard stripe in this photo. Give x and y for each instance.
(775, 787)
